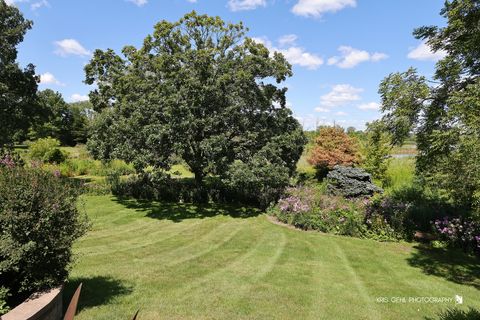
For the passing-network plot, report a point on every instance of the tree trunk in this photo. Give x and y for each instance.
(201, 193)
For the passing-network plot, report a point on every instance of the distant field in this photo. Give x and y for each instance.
(406, 149)
(179, 261)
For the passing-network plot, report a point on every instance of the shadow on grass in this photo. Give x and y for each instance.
(451, 264)
(96, 291)
(178, 212)
(457, 314)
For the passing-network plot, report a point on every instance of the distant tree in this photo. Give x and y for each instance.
(82, 113)
(333, 147)
(198, 89)
(66, 122)
(351, 130)
(17, 87)
(444, 116)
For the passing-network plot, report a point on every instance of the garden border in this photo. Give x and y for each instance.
(46, 305)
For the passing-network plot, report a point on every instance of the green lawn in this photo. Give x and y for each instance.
(185, 262)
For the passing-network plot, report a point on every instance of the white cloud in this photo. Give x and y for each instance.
(316, 8)
(341, 113)
(350, 57)
(67, 47)
(139, 3)
(424, 52)
(311, 122)
(48, 78)
(320, 109)
(369, 106)
(78, 97)
(294, 54)
(297, 55)
(39, 4)
(287, 40)
(341, 94)
(240, 5)
(377, 56)
(192, 1)
(13, 2)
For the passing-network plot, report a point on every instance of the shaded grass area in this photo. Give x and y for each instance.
(178, 212)
(190, 263)
(452, 264)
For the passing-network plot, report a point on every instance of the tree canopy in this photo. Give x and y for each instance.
(57, 119)
(445, 112)
(17, 87)
(199, 89)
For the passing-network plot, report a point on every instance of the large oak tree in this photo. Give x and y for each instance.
(199, 89)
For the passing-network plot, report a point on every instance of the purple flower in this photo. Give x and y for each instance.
(7, 161)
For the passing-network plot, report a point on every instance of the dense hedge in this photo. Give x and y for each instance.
(249, 184)
(39, 221)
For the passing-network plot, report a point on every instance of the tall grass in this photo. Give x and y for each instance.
(400, 173)
(90, 167)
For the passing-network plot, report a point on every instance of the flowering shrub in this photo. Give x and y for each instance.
(10, 159)
(7, 161)
(458, 232)
(39, 221)
(388, 218)
(308, 209)
(299, 200)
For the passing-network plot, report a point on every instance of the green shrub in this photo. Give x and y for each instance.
(39, 148)
(4, 308)
(55, 156)
(39, 221)
(389, 218)
(258, 182)
(351, 182)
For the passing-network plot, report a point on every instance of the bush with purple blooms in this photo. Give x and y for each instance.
(388, 218)
(10, 159)
(309, 209)
(459, 232)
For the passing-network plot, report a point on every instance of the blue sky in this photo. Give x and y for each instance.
(340, 49)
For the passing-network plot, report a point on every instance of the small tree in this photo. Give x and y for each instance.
(376, 151)
(333, 147)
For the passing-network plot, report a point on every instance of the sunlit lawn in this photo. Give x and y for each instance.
(213, 262)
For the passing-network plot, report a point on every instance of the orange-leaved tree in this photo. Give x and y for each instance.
(333, 147)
